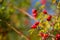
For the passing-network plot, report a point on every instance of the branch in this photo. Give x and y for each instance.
(24, 12)
(18, 32)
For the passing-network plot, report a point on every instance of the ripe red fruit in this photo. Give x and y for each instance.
(33, 26)
(58, 37)
(43, 2)
(34, 11)
(35, 15)
(49, 18)
(45, 11)
(41, 34)
(45, 35)
(36, 23)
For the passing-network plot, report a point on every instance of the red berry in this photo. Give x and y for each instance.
(58, 37)
(35, 15)
(49, 18)
(44, 11)
(45, 35)
(33, 26)
(41, 34)
(36, 23)
(34, 11)
(43, 2)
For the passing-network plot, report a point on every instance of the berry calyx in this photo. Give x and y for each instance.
(49, 18)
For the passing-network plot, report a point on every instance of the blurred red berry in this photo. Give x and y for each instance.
(43, 2)
(36, 23)
(41, 34)
(34, 11)
(35, 15)
(33, 26)
(45, 35)
(58, 37)
(45, 11)
(49, 18)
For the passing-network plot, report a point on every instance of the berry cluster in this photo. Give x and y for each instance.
(48, 22)
(34, 12)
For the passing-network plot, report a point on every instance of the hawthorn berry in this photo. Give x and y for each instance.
(33, 26)
(58, 37)
(34, 13)
(45, 35)
(43, 2)
(41, 34)
(44, 11)
(36, 23)
(49, 18)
